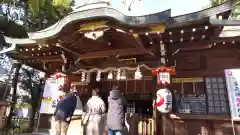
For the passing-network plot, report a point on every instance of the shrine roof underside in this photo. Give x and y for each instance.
(104, 37)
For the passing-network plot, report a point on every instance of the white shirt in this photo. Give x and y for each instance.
(95, 105)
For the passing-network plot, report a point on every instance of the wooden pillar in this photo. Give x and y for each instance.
(156, 114)
(160, 119)
(37, 104)
(13, 91)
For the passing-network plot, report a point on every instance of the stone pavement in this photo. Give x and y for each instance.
(35, 133)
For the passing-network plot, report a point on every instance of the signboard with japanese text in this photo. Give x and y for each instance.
(233, 88)
(52, 95)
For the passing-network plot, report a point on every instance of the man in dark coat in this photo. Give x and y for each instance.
(116, 112)
(64, 112)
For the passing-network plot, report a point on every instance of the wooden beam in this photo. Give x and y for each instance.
(189, 45)
(139, 41)
(217, 22)
(216, 33)
(120, 52)
(199, 117)
(198, 44)
(68, 50)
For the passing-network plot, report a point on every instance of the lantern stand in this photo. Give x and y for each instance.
(163, 101)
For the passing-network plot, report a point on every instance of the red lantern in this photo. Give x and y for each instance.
(163, 74)
(61, 79)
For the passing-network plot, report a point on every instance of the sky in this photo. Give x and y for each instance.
(142, 7)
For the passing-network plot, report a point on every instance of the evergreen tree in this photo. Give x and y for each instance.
(35, 14)
(236, 7)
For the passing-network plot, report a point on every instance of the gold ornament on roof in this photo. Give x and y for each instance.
(93, 26)
(158, 28)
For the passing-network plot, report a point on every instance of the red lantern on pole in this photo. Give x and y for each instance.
(163, 74)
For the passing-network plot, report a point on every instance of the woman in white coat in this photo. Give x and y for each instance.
(95, 108)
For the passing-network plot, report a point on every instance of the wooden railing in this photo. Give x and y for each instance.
(141, 125)
(146, 126)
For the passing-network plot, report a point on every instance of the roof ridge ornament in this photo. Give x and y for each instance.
(93, 26)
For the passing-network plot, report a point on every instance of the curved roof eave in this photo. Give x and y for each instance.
(11, 40)
(101, 12)
(161, 17)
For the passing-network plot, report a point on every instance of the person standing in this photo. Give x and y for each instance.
(94, 108)
(116, 112)
(64, 112)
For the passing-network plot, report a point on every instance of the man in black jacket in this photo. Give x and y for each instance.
(64, 112)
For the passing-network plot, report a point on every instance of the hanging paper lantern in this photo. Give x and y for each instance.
(110, 75)
(123, 76)
(83, 77)
(163, 100)
(98, 77)
(118, 74)
(88, 77)
(163, 74)
(138, 74)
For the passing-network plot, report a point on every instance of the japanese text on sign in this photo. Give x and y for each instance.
(233, 87)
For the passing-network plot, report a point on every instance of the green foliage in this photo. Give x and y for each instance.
(11, 29)
(62, 3)
(35, 5)
(236, 7)
(36, 14)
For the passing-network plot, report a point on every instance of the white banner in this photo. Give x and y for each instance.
(233, 87)
(51, 96)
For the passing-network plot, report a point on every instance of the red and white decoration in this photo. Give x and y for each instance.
(163, 101)
(51, 96)
(59, 95)
(60, 78)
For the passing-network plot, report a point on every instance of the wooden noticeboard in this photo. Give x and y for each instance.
(192, 103)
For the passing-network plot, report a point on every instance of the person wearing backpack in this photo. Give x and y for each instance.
(116, 112)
